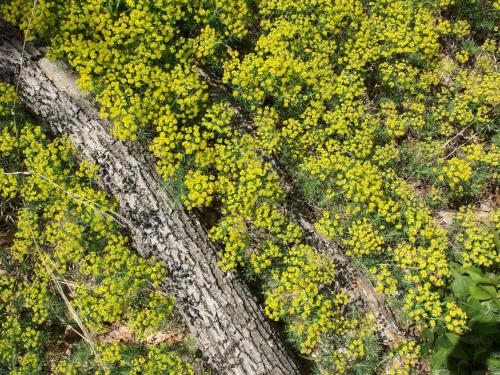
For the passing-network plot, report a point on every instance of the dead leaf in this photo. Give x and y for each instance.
(120, 334)
(171, 338)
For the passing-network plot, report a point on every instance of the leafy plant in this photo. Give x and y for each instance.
(68, 276)
(477, 350)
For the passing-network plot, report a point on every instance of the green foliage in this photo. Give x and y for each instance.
(70, 266)
(385, 111)
(476, 350)
(370, 364)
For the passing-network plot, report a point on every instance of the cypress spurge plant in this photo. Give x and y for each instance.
(69, 267)
(386, 110)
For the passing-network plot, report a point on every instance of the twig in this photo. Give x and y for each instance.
(17, 173)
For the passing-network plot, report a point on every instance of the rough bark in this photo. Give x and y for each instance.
(222, 315)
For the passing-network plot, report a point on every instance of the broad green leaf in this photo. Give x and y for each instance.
(481, 353)
(453, 338)
(484, 325)
(482, 293)
(473, 306)
(439, 358)
(493, 364)
(474, 340)
(461, 284)
(443, 342)
(459, 352)
(480, 278)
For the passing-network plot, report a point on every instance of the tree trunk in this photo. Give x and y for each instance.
(221, 313)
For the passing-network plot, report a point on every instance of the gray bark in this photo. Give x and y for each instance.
(219, 310)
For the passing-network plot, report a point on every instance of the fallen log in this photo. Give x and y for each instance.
(219, 310)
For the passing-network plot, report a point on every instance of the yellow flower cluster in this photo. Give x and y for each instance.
(24, 341)
(234, 15)
(359, 185)
(354, 347)
(69, 259)
(401, 75)
(476, 237)
(134, 53)
(395, 127)
(297, 294)
(406, 357)
(455, 319)
(253, 228)
(7, 99)
(201, 189)
(118, 53)
(386, 283)
(474, 163)
(362, 100)
(343, 356)
(266, 122)
(456, 171)
(461, 28)
(158, 359)
(363, 239)
(33, 18)
(423, 304)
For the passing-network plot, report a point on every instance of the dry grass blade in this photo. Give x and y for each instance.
(90, 203)
(51, 271)
(117, 218)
